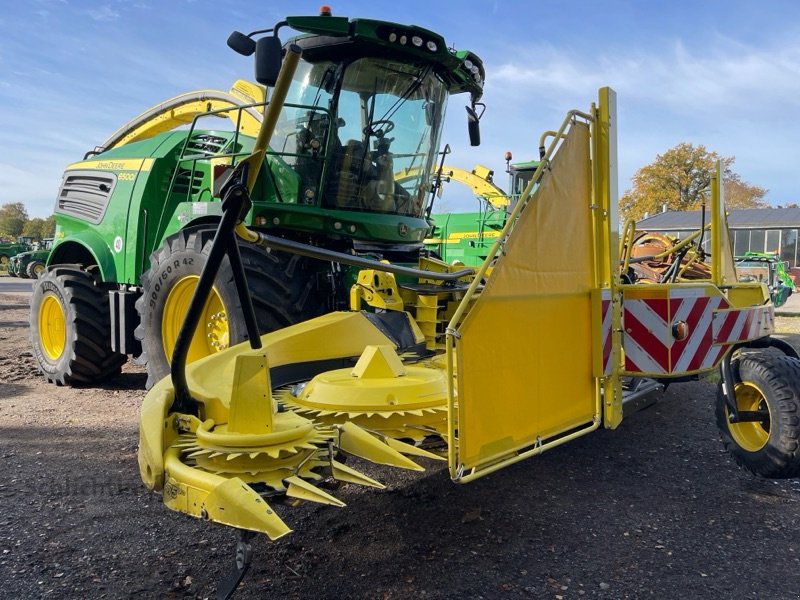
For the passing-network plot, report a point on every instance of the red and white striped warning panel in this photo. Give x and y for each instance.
(732, 326)
(686, 329)
(605, 329)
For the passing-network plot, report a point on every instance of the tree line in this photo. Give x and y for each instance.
(14, 222)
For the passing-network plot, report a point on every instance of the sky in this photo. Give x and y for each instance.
(724, 74)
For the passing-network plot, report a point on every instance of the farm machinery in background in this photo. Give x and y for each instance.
(23, 243)
(30, 264)
(295, 221)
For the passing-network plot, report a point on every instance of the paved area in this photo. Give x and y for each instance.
(14, 285)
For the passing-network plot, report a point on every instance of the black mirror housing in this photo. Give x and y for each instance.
(268, 60)
(242, 44)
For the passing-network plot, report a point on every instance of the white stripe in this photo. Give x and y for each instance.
(640, 358)
(649, 318)
(699, 333)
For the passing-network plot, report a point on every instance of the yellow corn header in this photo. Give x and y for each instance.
(480, 367)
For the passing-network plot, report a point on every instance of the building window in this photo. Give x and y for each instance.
(773, 241)
(789, 246)
(741, 242)
(757, 240)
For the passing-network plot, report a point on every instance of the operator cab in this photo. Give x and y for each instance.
(377, 118)
(362, 120)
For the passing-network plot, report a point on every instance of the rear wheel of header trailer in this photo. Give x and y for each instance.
(282, 288)
(770, 386)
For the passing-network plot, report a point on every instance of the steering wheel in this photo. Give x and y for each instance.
(379, 128)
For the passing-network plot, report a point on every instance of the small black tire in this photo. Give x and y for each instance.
(34, 269)
(282, 286)
(70, 328)
(22, 274)
(11, 273)
(768, 448)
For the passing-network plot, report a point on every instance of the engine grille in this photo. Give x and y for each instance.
(85, 194)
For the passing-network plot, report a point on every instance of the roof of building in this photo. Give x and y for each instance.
(738, 218)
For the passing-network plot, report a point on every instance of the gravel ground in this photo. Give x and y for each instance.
(655, 509)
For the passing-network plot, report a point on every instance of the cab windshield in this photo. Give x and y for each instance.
(362, 136)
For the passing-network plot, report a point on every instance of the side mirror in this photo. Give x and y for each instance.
(268, 60)
(474, 124)
(242, 44)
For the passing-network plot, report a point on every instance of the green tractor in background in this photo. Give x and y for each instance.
(24, 243)
(349, 169)
(768, 268)
(29, 265)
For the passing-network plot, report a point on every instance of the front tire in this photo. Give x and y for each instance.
(70, 328)
(282, 287)
(769, 384)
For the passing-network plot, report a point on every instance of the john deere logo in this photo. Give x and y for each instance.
(402, 228)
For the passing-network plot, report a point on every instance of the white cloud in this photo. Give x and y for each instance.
(103, 13)
(733, 97)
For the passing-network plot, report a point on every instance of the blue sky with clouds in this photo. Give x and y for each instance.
(722, 74)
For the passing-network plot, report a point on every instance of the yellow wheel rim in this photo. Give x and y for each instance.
(751, 436)
(38, 268)
(52, 327)
(211, 334)
(4, 260)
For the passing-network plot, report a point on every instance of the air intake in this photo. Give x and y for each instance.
(85, 195)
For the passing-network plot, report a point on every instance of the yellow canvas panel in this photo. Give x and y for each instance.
(524, 353)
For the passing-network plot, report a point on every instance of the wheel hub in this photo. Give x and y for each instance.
(752, 436)
(52, 327)
(212, 333)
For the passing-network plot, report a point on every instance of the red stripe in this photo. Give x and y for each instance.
(659, 306)
(674, 305)
(648, 342)
(630, 366)
(748, 322)
(606, 335)
(727, 326)
(702, 350)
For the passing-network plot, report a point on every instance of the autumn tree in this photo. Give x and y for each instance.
(680, 179)
(34, 228)
(13, 217)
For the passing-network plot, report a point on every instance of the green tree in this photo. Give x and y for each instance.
(13, 217)
(34, 228)
(49, 227)
(680, 178)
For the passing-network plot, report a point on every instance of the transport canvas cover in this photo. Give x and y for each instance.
(524, 355)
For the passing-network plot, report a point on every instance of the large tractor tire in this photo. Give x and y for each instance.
(70, 328)
(21, 274)
(282, 286)
(34, 269)
(769, 384)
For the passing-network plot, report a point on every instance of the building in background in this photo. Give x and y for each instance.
(772, 230)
